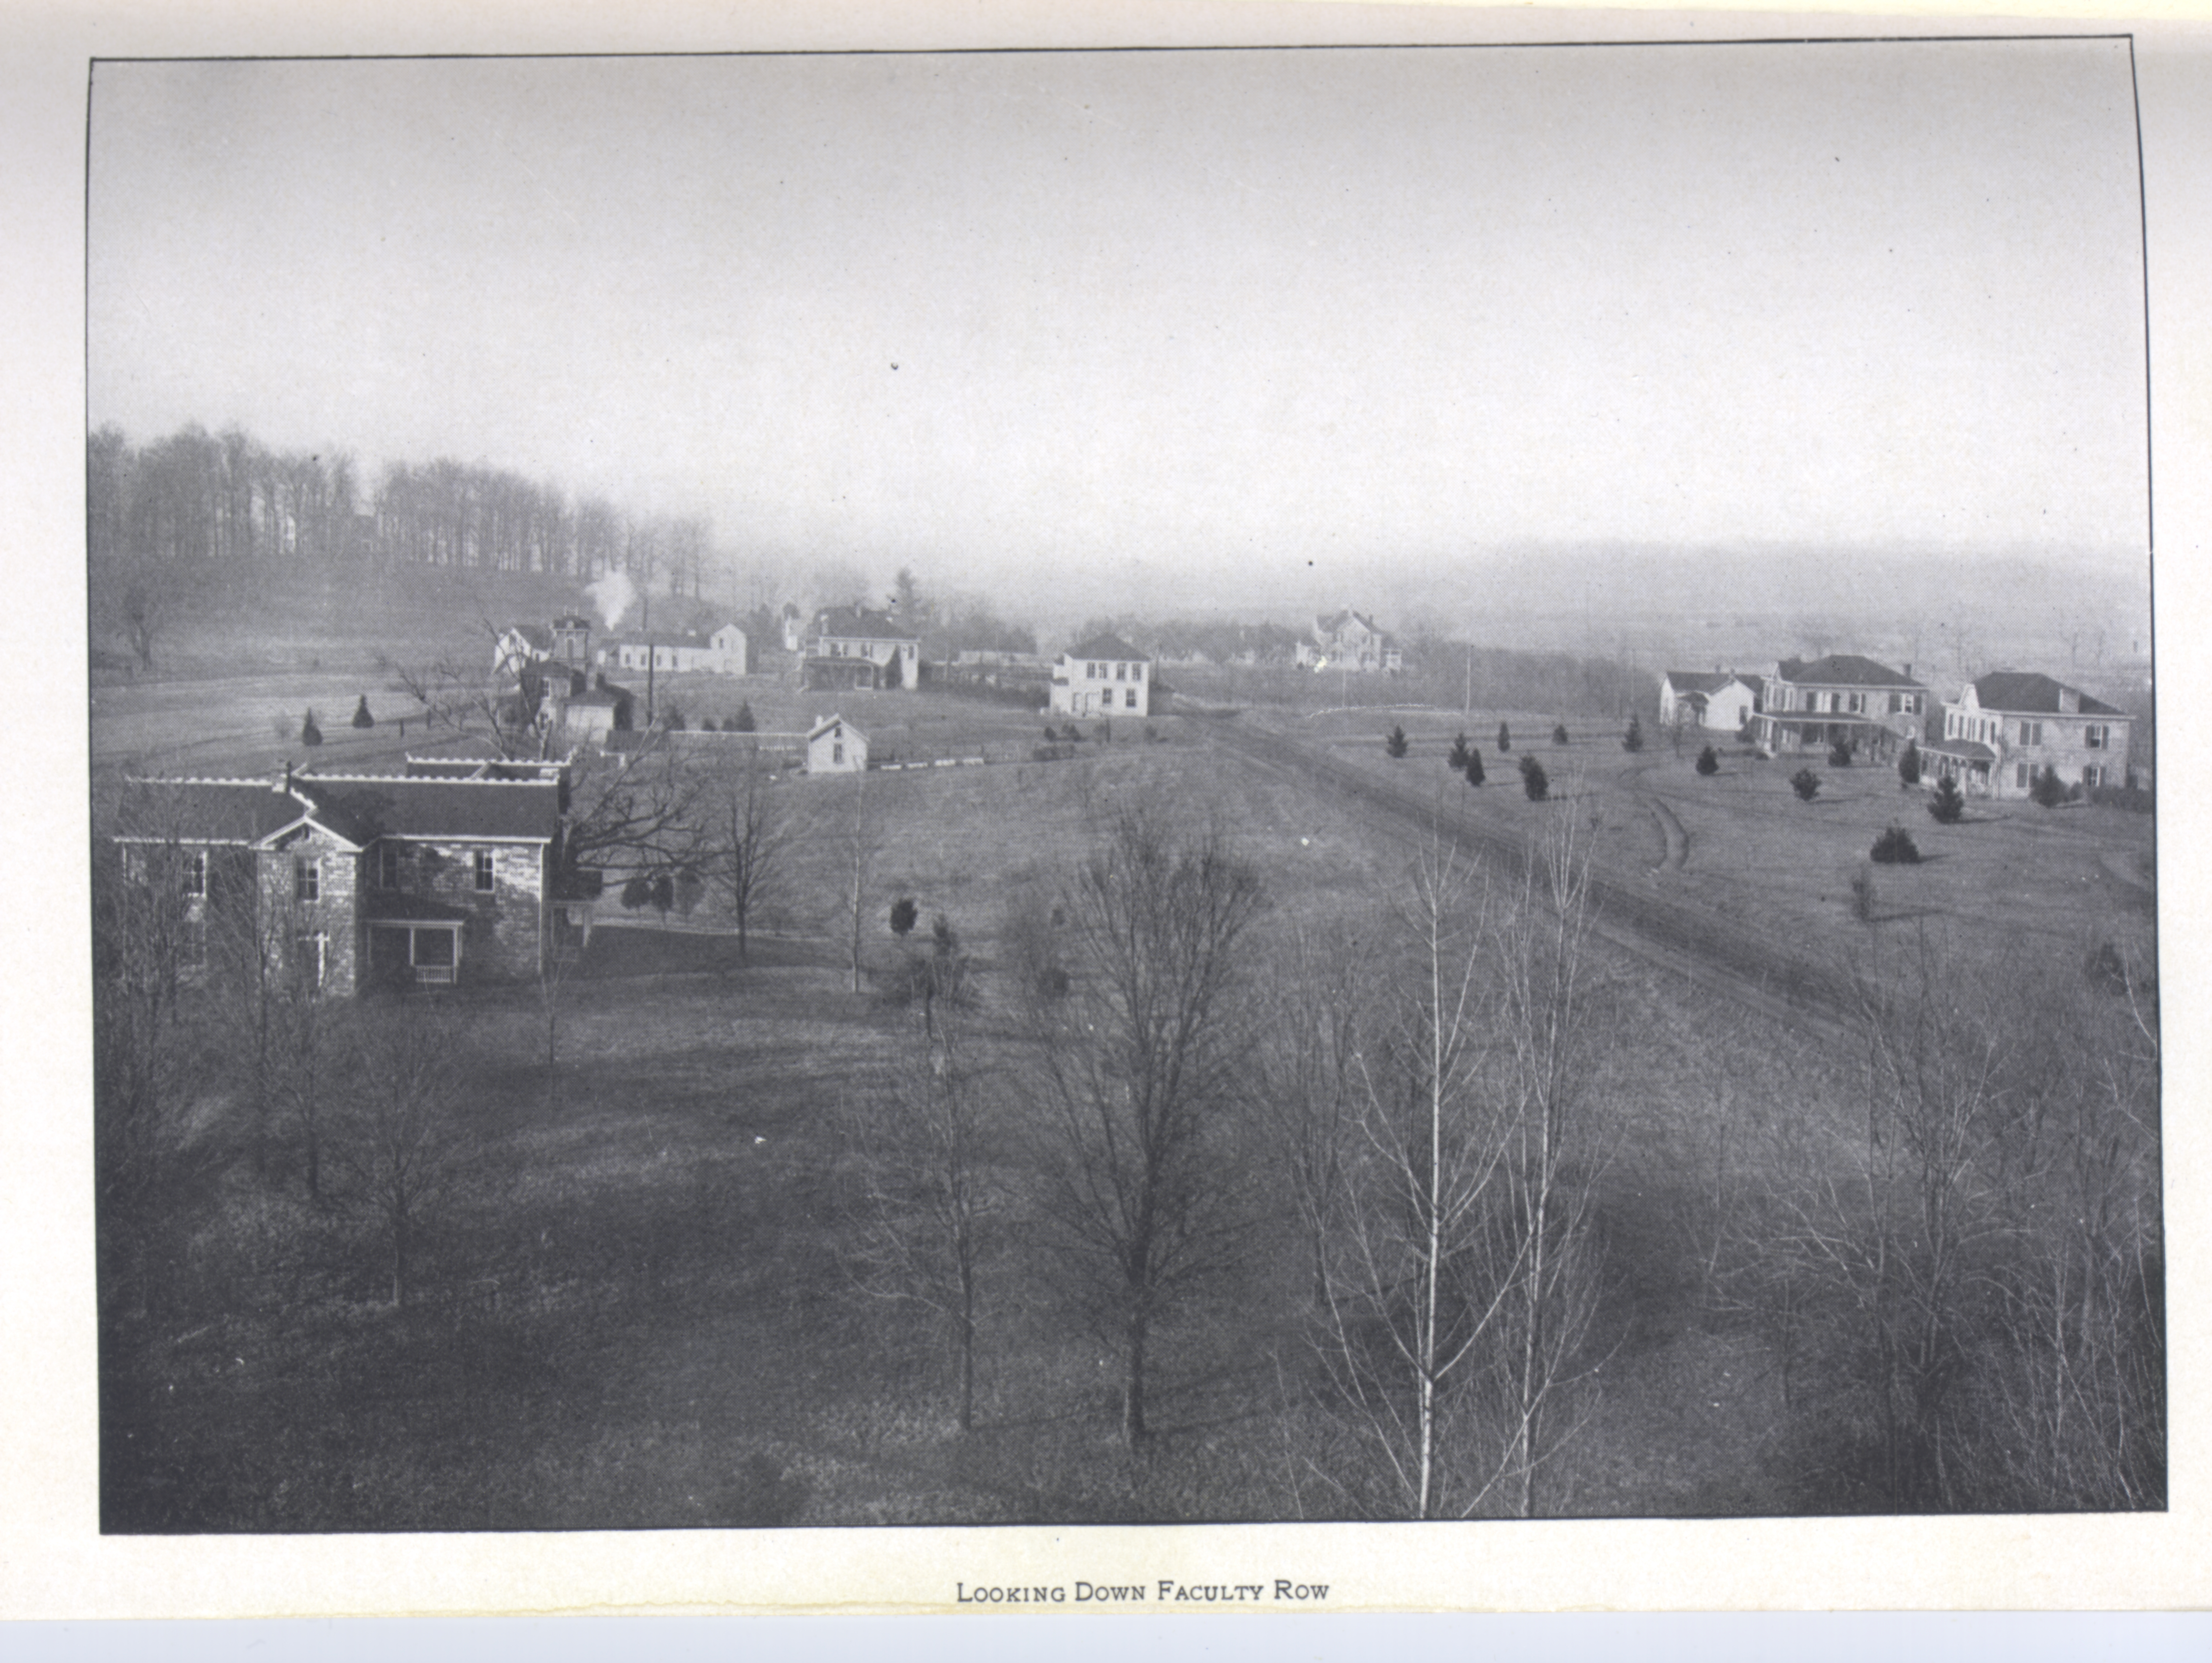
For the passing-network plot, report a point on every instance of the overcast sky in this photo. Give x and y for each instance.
(1201, 318)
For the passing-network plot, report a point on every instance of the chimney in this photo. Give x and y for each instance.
(1908, 669)
(281, 785)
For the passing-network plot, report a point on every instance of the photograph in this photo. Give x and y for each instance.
(842, 790)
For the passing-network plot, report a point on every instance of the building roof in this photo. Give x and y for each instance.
(843, 624)
(691, 638)
(829, 722)
(358, 808)
(1701, 681)
(1105, 646)
(535, 633)
(1842, 670)
(2036, 694)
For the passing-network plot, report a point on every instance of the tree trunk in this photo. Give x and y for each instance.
(1132, 1386)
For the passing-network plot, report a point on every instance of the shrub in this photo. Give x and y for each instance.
(2132, 798)
(2047, 789)
(1459, 755)
(1633, 739)
(706, 725)
(360, 716)
(1839, 754)
(1947, 805)
(1805, 784)
(1395, 743)
(674, 719)
(1533, 779)
(1895, 847)
(1504, 738)
(637, 892)
(743, 721)
(663, 894)
(309, 733)
(1474, 769)
(1908, 765)
(1105, 733)
(904, 914)
(1560, 734)
(1708, 761)
(1862, 894)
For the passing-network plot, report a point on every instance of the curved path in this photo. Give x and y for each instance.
(1685, 939)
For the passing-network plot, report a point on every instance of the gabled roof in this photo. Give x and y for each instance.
(843, 624)
(829, 722)
(1702, 681)
(2034, 693)
(1105, 646)
(1842, 670)
(357, 809)
(1331, 624)
(204, 810)
(535, 633)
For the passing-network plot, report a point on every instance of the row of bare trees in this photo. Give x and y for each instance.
(194, 497)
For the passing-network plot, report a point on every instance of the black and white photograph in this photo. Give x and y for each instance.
(1304, 782)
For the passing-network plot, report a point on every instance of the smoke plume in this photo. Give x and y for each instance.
(612, 594)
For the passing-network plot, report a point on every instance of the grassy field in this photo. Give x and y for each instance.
(639, 1307)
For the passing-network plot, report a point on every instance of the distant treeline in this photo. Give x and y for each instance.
(226, 499)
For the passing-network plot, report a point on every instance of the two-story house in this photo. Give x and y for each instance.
(1722, 701)
(1349, 640)
(1813, 704)
(1102, 677)
(2007, 727)
(349, 881)
(854, 648)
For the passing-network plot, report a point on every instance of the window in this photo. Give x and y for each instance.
(2092, 776)
(1121, 672)
(195, 872)
(387, 866)
(836, 755)
(2021, 773)
(2031, 733)
(307, 878)
(485, 881)
(2096, 736)
(1129, 699)
(1136, 672)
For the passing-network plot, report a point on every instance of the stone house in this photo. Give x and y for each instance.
(724, 652)
(352, 881)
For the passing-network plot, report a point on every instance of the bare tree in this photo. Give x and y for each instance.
(1456, 1263)
(860, 851)
(928, 1200)
(749, 836)
(1144, 1065)
(400, 1143)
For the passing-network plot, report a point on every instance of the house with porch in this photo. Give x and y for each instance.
(1102, 676)
(1719, 703)
(1814, 705)
(2007, 727)
(1349, 640)
(850, 648)
(347, 882)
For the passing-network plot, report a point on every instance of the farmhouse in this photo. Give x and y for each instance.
(346, 882)
(860, 649)
(1722, 701)
(1102, 677)
(519, 646)
(587, 712)
(1843, 699)
(833, 745)
(724, 652)
(1349, 640)
(2008, 726)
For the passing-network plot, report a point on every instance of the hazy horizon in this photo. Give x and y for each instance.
(1183, 326)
